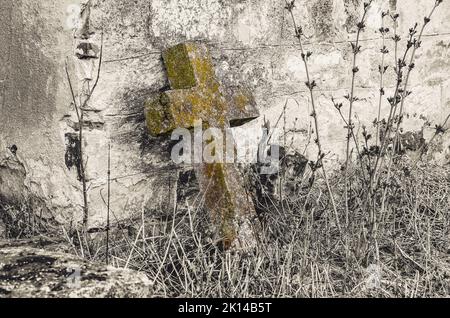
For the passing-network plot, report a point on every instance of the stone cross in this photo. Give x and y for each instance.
(197, 95)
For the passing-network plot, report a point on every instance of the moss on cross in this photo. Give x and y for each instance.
(197, 95)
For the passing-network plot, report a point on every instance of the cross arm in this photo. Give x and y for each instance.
(242, 107)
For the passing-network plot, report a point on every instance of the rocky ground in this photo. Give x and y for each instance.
(27, 270)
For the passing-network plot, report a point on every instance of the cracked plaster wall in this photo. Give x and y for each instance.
(252, 44)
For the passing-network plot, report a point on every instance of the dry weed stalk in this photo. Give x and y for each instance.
(311, 84)
(80, 109)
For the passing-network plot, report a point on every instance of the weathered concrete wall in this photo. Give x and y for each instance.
(252, 44)
(33, 100)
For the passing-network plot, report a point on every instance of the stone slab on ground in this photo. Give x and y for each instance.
(28, 271)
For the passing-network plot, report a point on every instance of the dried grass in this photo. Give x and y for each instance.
(303, 254)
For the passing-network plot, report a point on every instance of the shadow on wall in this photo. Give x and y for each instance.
(132, 128)
(15, 194)
(12, 180)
